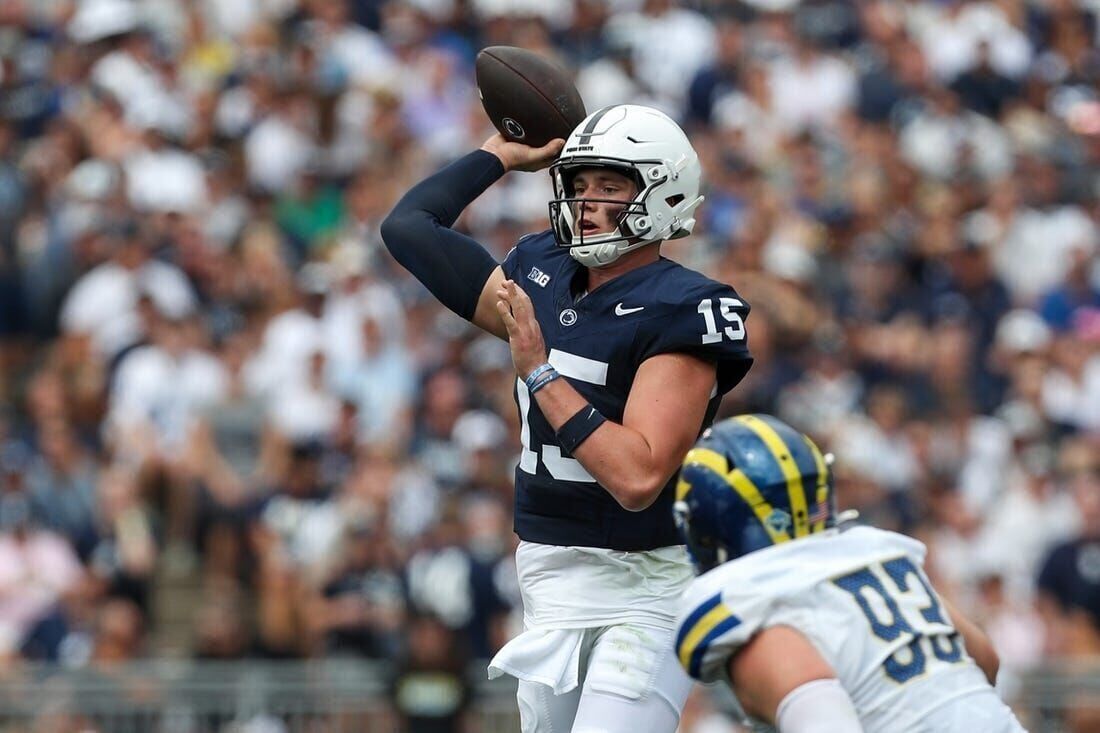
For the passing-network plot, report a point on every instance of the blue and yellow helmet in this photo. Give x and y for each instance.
(750, 482)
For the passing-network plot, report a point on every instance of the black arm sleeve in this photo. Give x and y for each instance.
(417, 232)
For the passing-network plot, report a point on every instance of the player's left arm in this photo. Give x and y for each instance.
(780, 677)
(634, 460)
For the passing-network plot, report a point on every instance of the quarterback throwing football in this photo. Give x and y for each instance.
(621, 359)
(818, 630)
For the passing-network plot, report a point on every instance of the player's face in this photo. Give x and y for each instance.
(600, 183)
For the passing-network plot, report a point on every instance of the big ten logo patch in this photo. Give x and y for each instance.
(538, 277)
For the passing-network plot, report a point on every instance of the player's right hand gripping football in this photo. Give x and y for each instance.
(520, 157)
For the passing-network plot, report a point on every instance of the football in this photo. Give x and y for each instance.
(529, 98)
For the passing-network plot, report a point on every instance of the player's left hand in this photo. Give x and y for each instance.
(524, 334)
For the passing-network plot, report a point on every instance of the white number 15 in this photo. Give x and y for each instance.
(727, 308)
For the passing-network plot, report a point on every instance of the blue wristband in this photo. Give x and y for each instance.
(544, 380)
(538, 372)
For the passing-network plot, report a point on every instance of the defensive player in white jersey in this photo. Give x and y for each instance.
(817, 629)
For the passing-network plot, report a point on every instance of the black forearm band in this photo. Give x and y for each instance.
(576, 429)
(417, 232)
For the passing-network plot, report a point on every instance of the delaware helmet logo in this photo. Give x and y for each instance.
(779, 520)
(568, 317)
(513, 128)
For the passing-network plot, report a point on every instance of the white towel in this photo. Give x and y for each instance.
(549, 657)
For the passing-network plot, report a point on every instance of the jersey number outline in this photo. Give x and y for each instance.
(560, 467)
(727, 309)
(944, 646)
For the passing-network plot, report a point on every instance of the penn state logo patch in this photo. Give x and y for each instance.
(567, 317)
(513, 128)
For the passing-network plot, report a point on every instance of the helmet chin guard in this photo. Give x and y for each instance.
(648, 147)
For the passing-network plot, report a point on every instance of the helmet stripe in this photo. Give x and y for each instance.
(737, 481)
(744, 486)
(785, 458)
(822, 481)
(586, 133)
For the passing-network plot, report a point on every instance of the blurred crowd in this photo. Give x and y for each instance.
(212, 372)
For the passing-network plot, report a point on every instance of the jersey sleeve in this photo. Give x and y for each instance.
(708, 322)
(527, 250)
(511, 263)
(710, 630)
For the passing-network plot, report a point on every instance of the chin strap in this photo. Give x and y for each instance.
(595, 255)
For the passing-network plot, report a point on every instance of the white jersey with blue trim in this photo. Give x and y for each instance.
(862, 599)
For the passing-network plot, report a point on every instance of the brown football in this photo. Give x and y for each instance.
(529, 98)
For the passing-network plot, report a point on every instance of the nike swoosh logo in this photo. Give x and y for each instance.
(620, 311)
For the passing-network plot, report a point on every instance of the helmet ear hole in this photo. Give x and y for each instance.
(673, 200)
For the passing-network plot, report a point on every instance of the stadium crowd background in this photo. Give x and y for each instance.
(214, 378)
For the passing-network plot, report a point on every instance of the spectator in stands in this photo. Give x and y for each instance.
(361, 608)
(38, 569)
(61, 486)
(429, 691)
(1069, 582)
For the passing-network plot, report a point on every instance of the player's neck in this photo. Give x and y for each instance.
(641, 257)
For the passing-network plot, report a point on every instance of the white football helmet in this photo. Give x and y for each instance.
(649, 147)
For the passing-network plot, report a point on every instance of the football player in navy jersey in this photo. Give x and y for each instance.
(622, 357)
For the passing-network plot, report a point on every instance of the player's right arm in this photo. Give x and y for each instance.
(779, 677)
(455, 268)
(978, 645)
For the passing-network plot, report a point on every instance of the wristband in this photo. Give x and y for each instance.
(545, 379)
(577, 428)
(538, 372)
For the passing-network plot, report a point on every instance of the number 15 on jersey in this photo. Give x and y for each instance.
(727, 311)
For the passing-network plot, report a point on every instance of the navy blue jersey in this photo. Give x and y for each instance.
(598, 343)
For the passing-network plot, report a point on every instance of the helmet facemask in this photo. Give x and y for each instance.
(647, 147)
(637, 225)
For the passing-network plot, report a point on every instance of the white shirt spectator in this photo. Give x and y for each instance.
(304, 410)
(811, 91)
(342, 321)
(950, 38)
(819, 401)
(311, 529)
(1034, 253)
(359, 53)
(98, 19)
(933, 140)
(737, 112)
(104, 302)
(236, 111)
(154, 389)
(667, 49)
(289, 340)
(886, 459)
(166, 180)
(1071, 401)
(1035, 523)
(235, 18)
(604, 82)
(275, 153)
(146, 101)
(982, 457)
